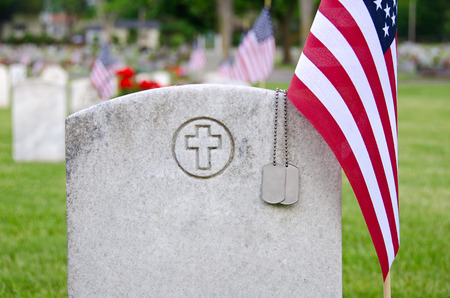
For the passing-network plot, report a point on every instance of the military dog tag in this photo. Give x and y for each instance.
(280, 183)
(273, 184)
(292, 186)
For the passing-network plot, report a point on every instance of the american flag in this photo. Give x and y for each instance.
(226, 67)
(256, 53)
(197, 60)
(25, 58)
(103, 75)
(38, 65)
(345, 84)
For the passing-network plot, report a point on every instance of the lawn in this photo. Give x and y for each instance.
(33, 218)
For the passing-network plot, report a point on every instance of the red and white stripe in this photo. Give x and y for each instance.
(197, 60)
(103, 80)
(347, 88)
(254, 59)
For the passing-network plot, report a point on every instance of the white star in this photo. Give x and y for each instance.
(387, 11)
(395, 2)
(393, 19)
(378, 3)
(386, 30)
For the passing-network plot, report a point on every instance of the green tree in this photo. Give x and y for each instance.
(9, 7)
(284, 13)
(184, 18)
(180, 19)
(432, 20)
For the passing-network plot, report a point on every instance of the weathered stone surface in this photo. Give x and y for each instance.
(38, 112)
(164, 199)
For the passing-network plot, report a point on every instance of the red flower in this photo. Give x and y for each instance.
(126, 72)
(126, 83)
(143, 85)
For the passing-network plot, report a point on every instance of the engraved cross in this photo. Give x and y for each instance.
(203, 142)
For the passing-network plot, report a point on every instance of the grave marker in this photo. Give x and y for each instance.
(38, 113)
(18, 73)
(5, 86)
(164, 199)
(161, 77)
(55, 73)
(83, 94)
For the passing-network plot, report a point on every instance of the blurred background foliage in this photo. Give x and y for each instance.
(188, 17)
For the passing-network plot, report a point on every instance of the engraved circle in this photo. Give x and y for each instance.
(203, 147)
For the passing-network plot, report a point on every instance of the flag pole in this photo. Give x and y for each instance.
(387, 286)
(267, 3)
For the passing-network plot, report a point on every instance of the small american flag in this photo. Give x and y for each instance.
(25, 58)
(103, 75)
(345, 84)
(38, 65)
(197, 60)
(226, 67)
(256, 53)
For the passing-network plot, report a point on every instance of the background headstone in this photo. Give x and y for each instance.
(55, 73)
(216, 78)
(5, 86)
(143, 76)
(38, 112)
(18, 73)
(162, 78)
(83, 94)
(164, 199)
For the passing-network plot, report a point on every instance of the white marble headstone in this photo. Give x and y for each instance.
(38, 113)
(164, 199)
(18, 73)
(143, 76)
(162, 78)
(55, 73)
(82, 94)
(216, 78)
(5, 86)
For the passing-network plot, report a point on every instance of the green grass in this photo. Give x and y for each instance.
(33, 227)
(32, 224)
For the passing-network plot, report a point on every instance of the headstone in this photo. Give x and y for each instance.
(143, 76)
(216, 78)
(55, 73)
(164, 199)
(162, 78)
(18, 73)
(83, 94)
(38, 112)
(5, 86)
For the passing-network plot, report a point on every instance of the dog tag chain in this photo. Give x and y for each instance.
(280, 183)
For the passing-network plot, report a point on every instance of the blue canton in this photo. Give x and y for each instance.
(263, 25)
(384, 17)
(105, 55)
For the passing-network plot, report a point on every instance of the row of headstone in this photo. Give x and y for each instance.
(10, 77)
(161, 77)
(38, 115)
(39, 109)
(164, 199)
(16, 73)
(5, 86)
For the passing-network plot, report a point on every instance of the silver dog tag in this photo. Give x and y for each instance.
(273, 184)
(292, 185)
